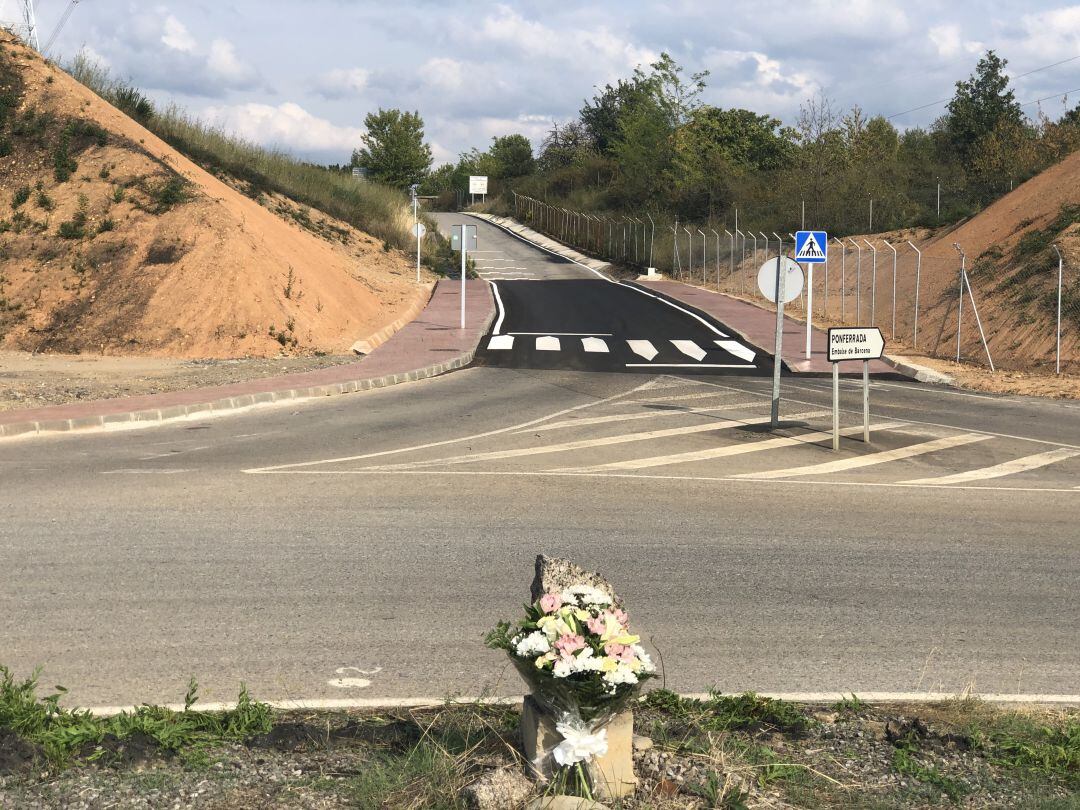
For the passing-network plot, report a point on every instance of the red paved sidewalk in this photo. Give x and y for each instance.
(432, 344)
(758, 327)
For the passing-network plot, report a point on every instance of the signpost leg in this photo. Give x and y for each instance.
(866, 401)
(416, 227)
(777, 357)
(835, 406)
(809, 305)
(464, 241)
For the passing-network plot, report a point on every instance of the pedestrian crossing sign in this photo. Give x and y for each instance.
(811, 247)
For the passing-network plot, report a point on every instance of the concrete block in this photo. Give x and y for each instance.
(18, 429)
(612, 775)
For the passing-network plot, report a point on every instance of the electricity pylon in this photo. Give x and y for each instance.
(30, 22)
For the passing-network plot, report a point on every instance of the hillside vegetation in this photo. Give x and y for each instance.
(112, 241)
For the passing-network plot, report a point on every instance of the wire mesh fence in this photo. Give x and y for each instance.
(925, 295)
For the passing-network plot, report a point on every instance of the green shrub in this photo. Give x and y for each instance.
(169, 193)
(21, 195)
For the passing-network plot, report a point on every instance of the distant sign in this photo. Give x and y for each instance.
(470, 237)
(419, 230)
(811, 247)
(478, 184)
(793, 280)
(855, 343)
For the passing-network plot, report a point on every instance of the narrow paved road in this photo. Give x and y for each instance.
(376, 537)
(555, 314)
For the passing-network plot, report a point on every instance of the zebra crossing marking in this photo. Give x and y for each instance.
(643, 348)
(737, 349)
(594, 345)
(548, 344)
(845, 464)
(690, 349)
(501, 343)
(1016, 465)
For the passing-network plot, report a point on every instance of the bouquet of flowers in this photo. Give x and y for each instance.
(576, 651)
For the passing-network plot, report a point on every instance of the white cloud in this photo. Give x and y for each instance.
(949, 43)
(1051, 35)
(176, 36)
(223, 64)
(287, 125)
(443, 73)
(341, 83)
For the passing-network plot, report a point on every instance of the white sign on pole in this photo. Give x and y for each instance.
(419, 230)
(470, 237)
(478, 184)
(793, 280)
(811, 247)
(855, 343)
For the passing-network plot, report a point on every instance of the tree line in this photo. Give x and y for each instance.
(649, 143)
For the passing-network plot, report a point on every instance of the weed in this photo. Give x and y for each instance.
(106, 225)
(64, 165)
(21, 195)
(905, 763)
(118, 194)
(44, 201)
(133, 102)
(6, 146)
(849, 705)
(169, 193)
(104, 173)
(288, 289)
(715, 794)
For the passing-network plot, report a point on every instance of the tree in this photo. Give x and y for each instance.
(394, 151)
(983, 104)
(600, 117)
(740, 137)
(513, 156)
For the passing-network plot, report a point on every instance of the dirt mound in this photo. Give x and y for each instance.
(113, 242)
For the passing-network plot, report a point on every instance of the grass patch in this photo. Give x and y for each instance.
(745, 712)
(20, 196)
(63, 733)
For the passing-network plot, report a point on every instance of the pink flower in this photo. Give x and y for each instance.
(569, 643)
(550, 602)
(621, 617)
(619, 651)
(596, 625)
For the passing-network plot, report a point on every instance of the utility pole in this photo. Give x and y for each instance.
(30, 22)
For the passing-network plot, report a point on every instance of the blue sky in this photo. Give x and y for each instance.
(302, 75)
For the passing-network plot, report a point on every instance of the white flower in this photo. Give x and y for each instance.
(561, 669)
(585, 595)
(534, 644)
(585, 661)
(646, 662)
(621, 674)
(579, 744)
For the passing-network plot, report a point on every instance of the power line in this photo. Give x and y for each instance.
(1011, 78)
(1059, 95)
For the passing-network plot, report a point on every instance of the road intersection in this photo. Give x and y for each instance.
(326, 549)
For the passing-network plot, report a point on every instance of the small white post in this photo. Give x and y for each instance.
(873, 287)
(893, 249)
(416, 227)
(704, 258)
(464, 245)
(774, 420)
(866, 401)
(690, 253)
(918, 284)
(809, 306)
(835, 406)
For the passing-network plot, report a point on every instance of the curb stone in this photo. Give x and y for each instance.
(921, 373)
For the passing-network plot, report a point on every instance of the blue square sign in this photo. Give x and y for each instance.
(811, 247)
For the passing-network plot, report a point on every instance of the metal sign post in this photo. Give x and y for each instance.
(463, 238)
(811, 247)
(853, 343)
(780, 281)
(418, 228)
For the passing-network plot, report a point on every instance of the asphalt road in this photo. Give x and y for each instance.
(377, 536)
(555, 314)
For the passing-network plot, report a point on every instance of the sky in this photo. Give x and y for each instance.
(301, 76)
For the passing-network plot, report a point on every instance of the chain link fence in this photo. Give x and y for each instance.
(926, 296)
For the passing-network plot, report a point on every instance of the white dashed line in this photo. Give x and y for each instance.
(547, 344)
(1017, 465)
(594, 345)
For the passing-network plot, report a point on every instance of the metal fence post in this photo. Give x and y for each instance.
(652, 239)
(890, 247)
(918, 284)
(858, 281)
(689, 253)
(873, 287)
(731, 239)
(843, 274)
(717, 258)
(960, 305)
(1061, 269)
(704, 258)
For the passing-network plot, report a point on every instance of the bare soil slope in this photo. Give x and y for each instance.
(1013, 271)
(112, 242)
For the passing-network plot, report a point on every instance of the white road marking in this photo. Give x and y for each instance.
(547, 344)
(844, 464)
(175, 453)
(628, 417)
(682, 397)
(1017, 465)
(582, 444)
(690, 349)
(697, 318)
(722, 452)
(594, 345)
(309, 704)
(686, 365)
(737, 349)
(501, 343)
(565, 334)
(429, 445)
(502, 310)
(135, 471)
(643, 348)
(349, 683)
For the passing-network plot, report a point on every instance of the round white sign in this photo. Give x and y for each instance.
(793, 279)
(419, 230)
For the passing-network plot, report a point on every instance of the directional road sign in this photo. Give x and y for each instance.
(793, 280)
(811, 247)
(855, 343)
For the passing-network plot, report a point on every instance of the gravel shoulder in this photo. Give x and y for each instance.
(731, 751)
(35, 380)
